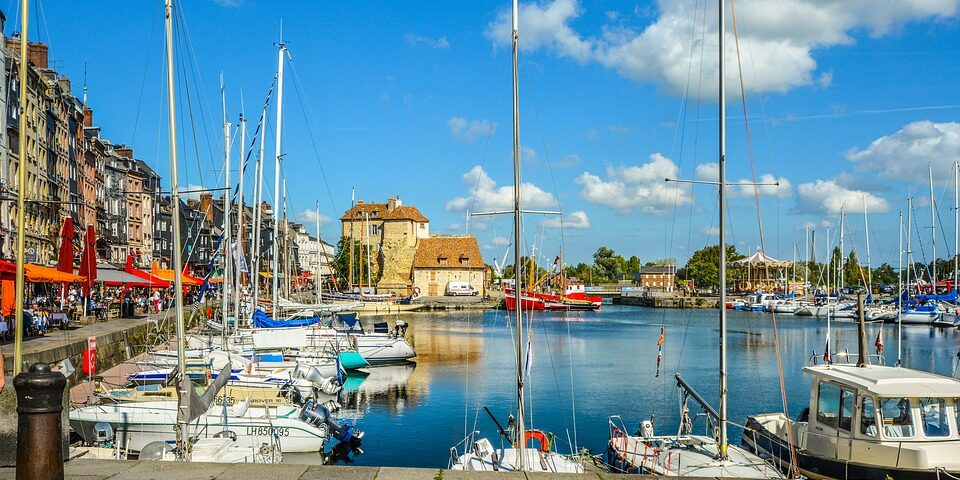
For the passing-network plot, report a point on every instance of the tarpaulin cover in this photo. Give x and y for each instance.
(261, 320)
(350, 319)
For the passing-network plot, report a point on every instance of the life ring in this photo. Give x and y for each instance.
(416, 291)
(540, 437)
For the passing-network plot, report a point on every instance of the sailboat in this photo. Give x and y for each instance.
(219, 433)
(479, 453)
(687, 454)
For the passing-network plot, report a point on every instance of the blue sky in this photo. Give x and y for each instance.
(848, 101)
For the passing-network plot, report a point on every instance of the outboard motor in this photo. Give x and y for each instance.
(291, 393)
(103, 435)
(319, 416)
(646, 429)
(401, 327)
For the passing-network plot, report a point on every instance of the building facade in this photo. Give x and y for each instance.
(443, 259)
(390, 232)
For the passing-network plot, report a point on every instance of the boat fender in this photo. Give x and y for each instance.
(540, 437)
(416, 292)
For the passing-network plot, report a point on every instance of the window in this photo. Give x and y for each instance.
(868, 418)
(934, 417)
(897, 418)
(828, 405)
(442, 261)
(846, 409)
(374, 230)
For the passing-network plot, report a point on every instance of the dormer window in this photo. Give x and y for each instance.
(442, 261)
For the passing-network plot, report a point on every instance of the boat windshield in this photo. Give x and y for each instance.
(934, 417)
(897, 418)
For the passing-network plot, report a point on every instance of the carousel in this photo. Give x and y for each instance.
(761, 273)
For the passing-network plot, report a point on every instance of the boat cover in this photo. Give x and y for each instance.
(261, 320)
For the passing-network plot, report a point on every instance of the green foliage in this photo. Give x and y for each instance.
(885, 275)
(704, 266)
(608, 265)
(341, 264)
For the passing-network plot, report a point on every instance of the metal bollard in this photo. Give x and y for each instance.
(39, 427)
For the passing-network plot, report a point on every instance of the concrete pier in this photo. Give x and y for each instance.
(153, 470)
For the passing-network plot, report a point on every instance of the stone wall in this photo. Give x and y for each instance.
(396, 258)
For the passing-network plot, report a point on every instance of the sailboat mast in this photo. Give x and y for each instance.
(182, 427)
(956, 221)
(22, 190)
(319, 278)
(723, 243)
(841, 263)
(282, 48)
(900, 290)
(806, 260)
(517, 234)
(240, 211)
(258, 215)
(286, 244)
(866, 227)
(933, 242)
(227, 207)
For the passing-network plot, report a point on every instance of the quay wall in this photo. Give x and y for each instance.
(154, 470)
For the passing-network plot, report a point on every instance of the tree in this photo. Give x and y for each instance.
(341, 263)
(633, 266)
(607, 264)
(582, 271)
(885, 275)
(852, 272)
(703, 267)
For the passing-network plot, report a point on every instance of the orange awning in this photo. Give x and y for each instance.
(167, 275)
(40, 274)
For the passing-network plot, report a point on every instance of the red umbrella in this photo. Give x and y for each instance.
(65, 260)
(88, 260)
(154, 282)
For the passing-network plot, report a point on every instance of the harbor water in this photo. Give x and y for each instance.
(588, 366)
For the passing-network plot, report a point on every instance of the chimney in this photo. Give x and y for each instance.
(397, 202)
(360, 202)
(36, 52)
(124, 151)
(87, 117)
(65, 84)
(391, 203)
(206, 205)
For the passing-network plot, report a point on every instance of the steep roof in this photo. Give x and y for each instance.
(404, 212)
(375, 210)
(382, 211)
(459, 251)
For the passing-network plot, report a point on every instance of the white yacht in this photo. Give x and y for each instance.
(867, 422)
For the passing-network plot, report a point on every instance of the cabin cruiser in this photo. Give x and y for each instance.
(867, 422)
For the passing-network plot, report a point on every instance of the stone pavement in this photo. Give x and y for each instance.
(81, 469)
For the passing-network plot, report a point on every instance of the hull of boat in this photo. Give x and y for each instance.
(526, 303)
(761, 441)
(136, 425)
(687, 456)
(534, 461)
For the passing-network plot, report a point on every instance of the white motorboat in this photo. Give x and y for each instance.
(867, 422)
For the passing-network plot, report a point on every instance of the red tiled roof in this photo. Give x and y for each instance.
(459, 251)
(404, 212)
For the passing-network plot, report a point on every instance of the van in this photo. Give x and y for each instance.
(461, 288)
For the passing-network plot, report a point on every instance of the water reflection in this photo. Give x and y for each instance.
(590, 365)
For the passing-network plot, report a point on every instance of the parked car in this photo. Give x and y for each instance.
(461, 288)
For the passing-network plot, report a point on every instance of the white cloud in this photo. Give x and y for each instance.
(569, 161)
(780, 45)
(710, 172)
(500, 241)
(485, 195)
(637, 188)
(528, 154)
(229, 3)
(415, 40)
(904, 155)
(468, 131)
(578, 219)
(193, 192)
(825, 197)
(710, 231)
(309, 218)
